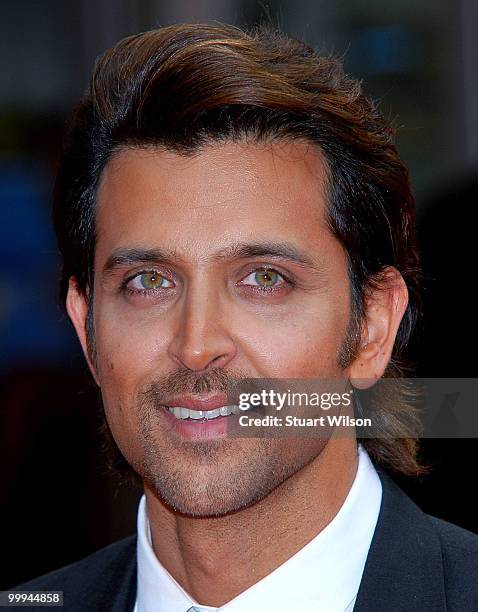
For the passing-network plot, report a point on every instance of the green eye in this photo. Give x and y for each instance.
(148, 281)
(151, 280)
(266, 278)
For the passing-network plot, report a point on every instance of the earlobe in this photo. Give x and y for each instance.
(385, 307)
(77, 308)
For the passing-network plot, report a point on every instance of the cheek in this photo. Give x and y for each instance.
(299, 342)
(126, 346)
(125, 360)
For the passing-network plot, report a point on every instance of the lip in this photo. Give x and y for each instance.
(198, 402)
(220, 427)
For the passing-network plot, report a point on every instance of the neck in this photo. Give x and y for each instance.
(215, 559)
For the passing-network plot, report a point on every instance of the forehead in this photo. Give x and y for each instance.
(225, 192)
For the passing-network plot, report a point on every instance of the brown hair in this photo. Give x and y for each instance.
(184, 86)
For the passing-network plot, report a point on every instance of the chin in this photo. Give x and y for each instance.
(227, 478)
(201, 496)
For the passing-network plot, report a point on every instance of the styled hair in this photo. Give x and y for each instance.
(185, 86)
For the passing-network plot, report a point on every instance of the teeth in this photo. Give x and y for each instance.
(185, 413)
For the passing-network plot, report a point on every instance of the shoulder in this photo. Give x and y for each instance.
(455, 540)
(107, 559)
(107, 574)
(459, 551)
(460, 564)
(433, 562)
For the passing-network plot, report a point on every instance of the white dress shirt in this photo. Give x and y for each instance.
(324, 575)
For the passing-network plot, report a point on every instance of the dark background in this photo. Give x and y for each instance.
(419, 58)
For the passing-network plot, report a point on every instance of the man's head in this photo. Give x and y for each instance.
(230, 205)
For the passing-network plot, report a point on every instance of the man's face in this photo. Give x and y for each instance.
(199, 319)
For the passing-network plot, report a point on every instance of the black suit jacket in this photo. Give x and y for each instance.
(416, 563)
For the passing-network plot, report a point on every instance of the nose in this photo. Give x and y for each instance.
(202, 339)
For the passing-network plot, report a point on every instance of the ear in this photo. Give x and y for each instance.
(77, 308)
(385, 305)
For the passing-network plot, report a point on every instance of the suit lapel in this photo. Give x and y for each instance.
(404, 568)
(125, 597)
(118, 581)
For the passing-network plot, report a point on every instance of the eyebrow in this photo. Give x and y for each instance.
(124, 257)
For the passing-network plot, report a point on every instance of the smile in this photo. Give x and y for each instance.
(186, 413)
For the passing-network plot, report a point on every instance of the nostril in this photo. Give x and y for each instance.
(217, 361)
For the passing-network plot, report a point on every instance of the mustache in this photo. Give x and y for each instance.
(184, 381)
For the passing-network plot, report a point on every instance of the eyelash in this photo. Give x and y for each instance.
(145, 292)
(288, 281)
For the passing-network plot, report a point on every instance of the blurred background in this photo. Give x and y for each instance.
(419, 59)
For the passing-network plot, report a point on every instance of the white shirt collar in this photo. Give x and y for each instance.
(325, 574)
